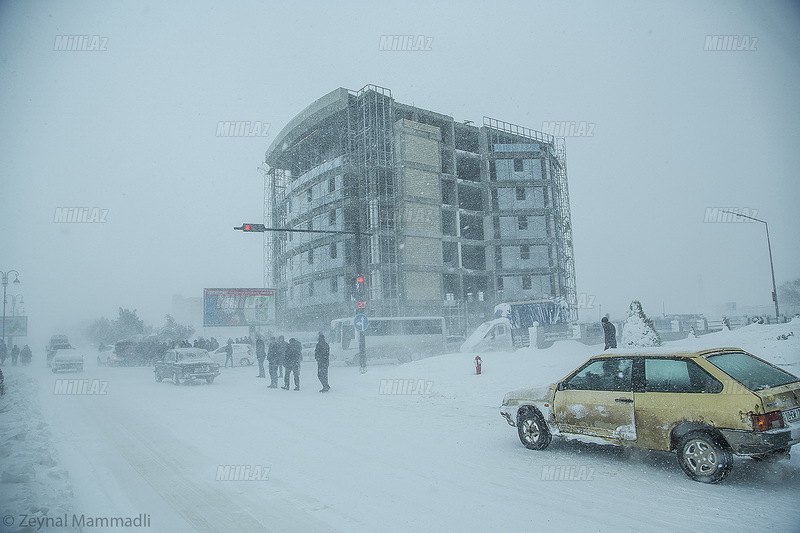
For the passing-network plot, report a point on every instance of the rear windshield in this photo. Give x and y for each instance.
(751, 372)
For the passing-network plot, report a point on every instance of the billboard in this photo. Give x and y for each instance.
(16, 326)
(239, 307)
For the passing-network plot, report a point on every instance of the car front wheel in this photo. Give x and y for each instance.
(210, 380)
(704, 457)
(175, 379)
(244, 361)
(533, 431)
(158, 376)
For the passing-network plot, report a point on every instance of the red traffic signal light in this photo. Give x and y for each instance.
(252, 227)
(360, 279)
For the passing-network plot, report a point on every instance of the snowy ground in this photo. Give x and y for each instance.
(357, 459)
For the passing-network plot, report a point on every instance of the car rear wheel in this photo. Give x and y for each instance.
(175, 379)
(244, 361)
(704, 457)
(210, 380)
(533, 431)
(158, 376)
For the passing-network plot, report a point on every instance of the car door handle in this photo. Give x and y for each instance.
(623, 400)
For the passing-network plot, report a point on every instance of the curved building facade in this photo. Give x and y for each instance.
(441, 218)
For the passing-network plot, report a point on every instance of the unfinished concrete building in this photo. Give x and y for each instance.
(442, 218)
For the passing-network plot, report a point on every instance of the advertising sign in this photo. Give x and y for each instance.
(239, 307)
(16, 326)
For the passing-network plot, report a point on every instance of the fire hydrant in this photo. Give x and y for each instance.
(477, 364)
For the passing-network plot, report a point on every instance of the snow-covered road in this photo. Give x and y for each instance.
(360, 460)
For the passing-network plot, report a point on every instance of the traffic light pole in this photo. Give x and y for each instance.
(359, 255)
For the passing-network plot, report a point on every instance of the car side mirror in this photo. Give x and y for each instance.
(562, 385)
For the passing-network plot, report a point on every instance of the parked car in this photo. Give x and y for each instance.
(67, 359)
(186, 364)
(706, 406)
(243, 354)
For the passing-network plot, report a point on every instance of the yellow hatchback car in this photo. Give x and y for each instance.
(705, 406)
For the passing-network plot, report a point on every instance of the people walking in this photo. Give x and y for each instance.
(261, 354)
(282, 347)
(229, 353)
(272, 362)
(294, 353)
(322, 353)
(25, 355)
(609, 333)
(14, 355)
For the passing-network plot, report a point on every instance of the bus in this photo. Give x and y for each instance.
(401, 338)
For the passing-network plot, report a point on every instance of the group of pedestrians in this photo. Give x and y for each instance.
(283, 360)
(24, 355)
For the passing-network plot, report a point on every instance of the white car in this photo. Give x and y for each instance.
(67, 359)
(243, 354)
(105, 354)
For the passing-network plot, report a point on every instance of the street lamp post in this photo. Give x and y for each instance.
(771, 267)
(5, 285)
(14, 312)
(14, 304)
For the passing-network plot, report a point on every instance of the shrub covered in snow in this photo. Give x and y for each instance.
(638, 330)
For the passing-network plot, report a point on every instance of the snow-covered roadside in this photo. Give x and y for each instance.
(33, 482)
(414, 447)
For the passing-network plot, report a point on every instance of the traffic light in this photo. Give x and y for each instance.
(361, 290)
(252, 227)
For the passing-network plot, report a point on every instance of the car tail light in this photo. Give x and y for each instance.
(771, 420)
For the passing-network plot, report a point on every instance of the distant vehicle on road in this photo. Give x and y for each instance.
(243, 354)
(104, 354)
(186, 364)
(308, 351)
(398, 338)
(67, 359)
(56, 343)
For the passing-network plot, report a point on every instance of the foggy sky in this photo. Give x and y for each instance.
(132, 130)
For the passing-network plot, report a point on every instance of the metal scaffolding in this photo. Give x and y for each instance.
(275, 183)
(566, 256)
(372, 156)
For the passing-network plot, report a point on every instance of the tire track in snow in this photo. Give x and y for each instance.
(163, 461)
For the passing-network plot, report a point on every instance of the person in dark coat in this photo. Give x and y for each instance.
(322, 353)
(3, 353)
(229, 353)
(261, 354)
(14, 355)
(294, 353)
(272, 360)
(281, 353)
(610, 333)
(25, 355)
